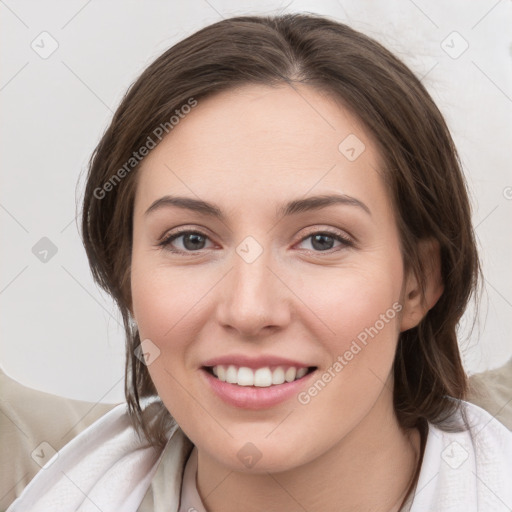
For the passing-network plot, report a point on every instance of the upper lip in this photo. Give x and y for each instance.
(254, 362)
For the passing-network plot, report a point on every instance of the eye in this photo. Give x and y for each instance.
(192, 241)
(323, 241)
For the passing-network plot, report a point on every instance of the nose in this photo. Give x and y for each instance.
(254, 298)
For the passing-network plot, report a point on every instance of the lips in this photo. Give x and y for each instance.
(256, 382)
(253, 396)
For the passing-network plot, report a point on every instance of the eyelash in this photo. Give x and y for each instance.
(165, 243)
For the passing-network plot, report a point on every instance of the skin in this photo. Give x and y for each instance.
(248, 151)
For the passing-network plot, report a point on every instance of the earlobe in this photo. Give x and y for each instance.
(415, 305)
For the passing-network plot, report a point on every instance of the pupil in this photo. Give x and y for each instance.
(321, 239)
(195, 238)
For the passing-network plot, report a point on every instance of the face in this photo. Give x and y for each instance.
(261, 286)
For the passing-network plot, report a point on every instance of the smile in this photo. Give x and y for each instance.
(256, 388)
(260, 377)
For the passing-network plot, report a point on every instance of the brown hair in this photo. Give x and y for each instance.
(422, 170)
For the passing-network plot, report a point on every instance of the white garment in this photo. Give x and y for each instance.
(108, 467)
(467, 471)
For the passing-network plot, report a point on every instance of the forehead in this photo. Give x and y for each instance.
(256, 143)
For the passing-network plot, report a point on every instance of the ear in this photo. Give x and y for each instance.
(415, 307)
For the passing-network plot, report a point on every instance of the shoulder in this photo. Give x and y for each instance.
(469, 469)
(491, 441)
(108, 461)
(34, 425)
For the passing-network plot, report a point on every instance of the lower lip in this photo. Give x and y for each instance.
(252, 397)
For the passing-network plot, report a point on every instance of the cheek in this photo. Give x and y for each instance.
(362, 307)
(353, 299)
(166, 305)
(170, 306)
(161, 294)
(157, 304)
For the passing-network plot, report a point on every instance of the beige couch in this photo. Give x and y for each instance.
(33, 423)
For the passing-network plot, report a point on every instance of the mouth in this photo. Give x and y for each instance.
(264, 377)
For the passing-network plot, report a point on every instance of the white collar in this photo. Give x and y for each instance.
(108, 467)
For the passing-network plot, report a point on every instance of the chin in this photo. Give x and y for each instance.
(257, 456)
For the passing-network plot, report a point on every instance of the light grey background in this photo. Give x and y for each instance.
(58, 332)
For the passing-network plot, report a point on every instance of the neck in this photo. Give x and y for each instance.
(370, 469)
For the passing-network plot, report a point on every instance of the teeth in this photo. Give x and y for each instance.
(262, 377)
(290, 374)
(231, 375)
(301, 372)
(245, 377)
(278, 376)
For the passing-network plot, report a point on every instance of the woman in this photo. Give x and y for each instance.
(278, 210)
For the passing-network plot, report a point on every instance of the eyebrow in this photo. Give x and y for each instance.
(293, 207)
